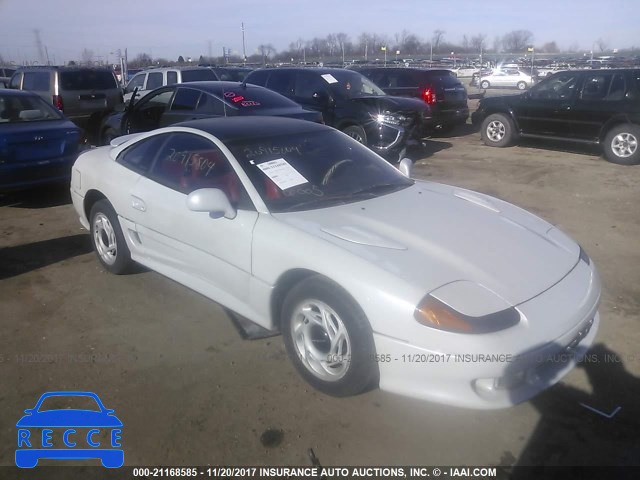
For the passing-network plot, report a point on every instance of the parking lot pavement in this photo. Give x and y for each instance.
(189, 391)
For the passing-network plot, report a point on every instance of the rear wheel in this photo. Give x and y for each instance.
(485, 84)
(621, 145)
(497, 130)
(522, 86)
(328, 338)
(356, 132)
(107, 238)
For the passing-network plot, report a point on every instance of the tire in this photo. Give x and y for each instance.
(522, 86)
(485, 84)
(107, 238)
(356, 132)
(108, 135)
(497, 130)
(312, 312)
(621, 144)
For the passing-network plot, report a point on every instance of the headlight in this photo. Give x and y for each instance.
(389, 118)
(477, 309)
(433, 313)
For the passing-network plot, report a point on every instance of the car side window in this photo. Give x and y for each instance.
(186, 99)
(139, 157)
(595, 86)
(154, 80)
(137, 81)
(617, 89)
(188, 162)
(558, 87)
(307, 84)
(281, 82)
(172, 77)
(36, 81)
(210, 105)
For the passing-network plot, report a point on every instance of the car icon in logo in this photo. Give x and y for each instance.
(83, 433)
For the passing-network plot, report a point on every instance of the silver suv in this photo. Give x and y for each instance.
(153, 78)
(83, 94)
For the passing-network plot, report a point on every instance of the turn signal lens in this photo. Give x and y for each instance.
(433, 313)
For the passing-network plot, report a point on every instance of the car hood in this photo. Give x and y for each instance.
(391, 103)
(69, 418)
(430, 235)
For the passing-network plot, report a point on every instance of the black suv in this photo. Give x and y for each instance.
(353, 104)
(586, 106)
(439, 88)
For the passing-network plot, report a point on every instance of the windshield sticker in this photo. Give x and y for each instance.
(282, 173)
(329, 78)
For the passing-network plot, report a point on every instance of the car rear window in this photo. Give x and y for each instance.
(198, 75)
(445, 78)
(87, 80)
(257, 98)
(37, 81)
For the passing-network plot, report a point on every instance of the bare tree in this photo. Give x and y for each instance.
(465, 43)
(497, 43)
(343, 43)
(142, 60)
(86, 56)
(517, 40)
(602, 45)
(437, 38)
(478, 42)
(550, 47)
(266, 50)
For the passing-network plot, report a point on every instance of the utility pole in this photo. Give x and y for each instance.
(244, 53)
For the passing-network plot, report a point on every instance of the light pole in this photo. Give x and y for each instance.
(244, 53)
(397, 53)
(384, 49)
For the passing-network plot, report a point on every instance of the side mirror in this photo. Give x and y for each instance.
(29, 410)
(406, 167)
(212, 200)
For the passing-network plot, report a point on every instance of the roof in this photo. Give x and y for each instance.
(251, 127)
(218, 87)
(181, 68)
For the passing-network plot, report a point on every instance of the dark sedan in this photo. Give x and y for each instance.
(37, 143)
(180, 102)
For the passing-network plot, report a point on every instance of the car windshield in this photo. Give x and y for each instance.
(23, 108)
(306, 171)
(63, 402)
(87, 79)
(350, 84)
(198, 75)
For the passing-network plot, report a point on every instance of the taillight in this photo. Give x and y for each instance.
(57, 102)
(429, 95)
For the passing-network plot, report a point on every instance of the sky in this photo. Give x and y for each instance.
(169, 28)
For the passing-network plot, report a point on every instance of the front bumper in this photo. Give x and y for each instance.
(499, 370)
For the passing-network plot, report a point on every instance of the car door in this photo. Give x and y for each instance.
(312, 92)
(601, 97)
(147, 113)
(547, 108)
(210, 255)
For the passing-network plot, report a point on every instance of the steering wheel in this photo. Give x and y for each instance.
(332, 170)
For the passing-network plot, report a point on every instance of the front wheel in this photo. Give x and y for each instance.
(328, 338)
(621, 145)
(497, 130)
(107, 238)
(485, 84)
(356, 132)
(522, 86)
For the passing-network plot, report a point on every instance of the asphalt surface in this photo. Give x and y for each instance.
(190, 391)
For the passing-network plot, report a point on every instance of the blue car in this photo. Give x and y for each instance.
(37, 143)
(80, 432)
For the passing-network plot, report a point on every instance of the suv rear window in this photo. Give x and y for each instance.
(37, 81)
(198, 75)
(87, 80)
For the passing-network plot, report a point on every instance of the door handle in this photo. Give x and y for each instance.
(138, 204)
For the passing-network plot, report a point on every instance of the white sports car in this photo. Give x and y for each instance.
(372, 278)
